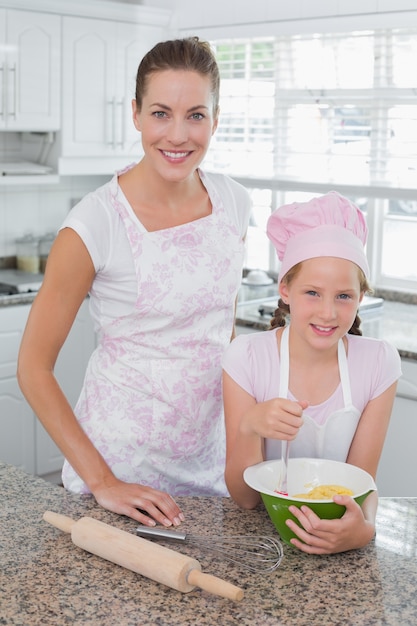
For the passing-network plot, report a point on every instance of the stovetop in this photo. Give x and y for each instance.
(14, 281)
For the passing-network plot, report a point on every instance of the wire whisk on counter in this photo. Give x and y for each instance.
(258, 553)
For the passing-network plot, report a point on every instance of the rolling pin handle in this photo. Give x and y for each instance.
(214, 585)
(62, 522)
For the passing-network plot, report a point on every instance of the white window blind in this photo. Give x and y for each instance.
(325, 109)
(339, 106)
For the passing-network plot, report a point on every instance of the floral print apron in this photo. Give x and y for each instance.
(151, 401)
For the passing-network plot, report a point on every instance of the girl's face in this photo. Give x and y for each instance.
(176, 121)
(324, 297)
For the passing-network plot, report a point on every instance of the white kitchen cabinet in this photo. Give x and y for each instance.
(17, 424)
(397, 471)
(100, 61)
(23, 440)
(69, 371)
(30, 47)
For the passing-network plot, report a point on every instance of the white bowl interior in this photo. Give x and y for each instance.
(305, 474)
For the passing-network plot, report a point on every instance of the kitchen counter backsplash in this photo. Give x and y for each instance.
(396, 296)
(395, 321)
(8, 262)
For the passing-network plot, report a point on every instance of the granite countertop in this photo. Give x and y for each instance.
(46, 580)
(394, 321)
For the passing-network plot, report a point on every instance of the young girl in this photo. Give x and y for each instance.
(337, 388)
(159, 249)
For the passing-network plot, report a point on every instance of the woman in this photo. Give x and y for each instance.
(315, 382)
(159, 249)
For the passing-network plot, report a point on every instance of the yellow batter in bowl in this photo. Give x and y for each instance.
(324, 492)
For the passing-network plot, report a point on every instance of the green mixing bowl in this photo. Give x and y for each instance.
(303, 475)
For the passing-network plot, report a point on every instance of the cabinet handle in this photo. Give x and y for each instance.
(3, 92)
(110, 122)
(12, 70)
(407, 396)
(113, 123)
(121, 104)
(117, 108)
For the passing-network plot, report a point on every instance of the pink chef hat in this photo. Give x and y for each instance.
(329, 225)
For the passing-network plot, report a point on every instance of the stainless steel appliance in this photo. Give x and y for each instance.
(16, 281)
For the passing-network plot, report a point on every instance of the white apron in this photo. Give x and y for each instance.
(330, 440)
(151, 401)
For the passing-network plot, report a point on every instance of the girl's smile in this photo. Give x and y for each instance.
(323, 331)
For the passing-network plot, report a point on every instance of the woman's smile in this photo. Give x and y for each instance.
(175, 155)
(177, 122)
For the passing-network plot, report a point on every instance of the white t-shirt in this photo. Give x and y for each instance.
(253, 362)
(94, 218)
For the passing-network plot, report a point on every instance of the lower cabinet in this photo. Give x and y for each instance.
(23, 440)
(397, 469)
(17, 423)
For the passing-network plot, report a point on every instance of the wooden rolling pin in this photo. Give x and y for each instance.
(142, 556)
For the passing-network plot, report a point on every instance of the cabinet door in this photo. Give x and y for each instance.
(132, 43)
(2, 69)
(88, 87)
(23, 440)
(69, 371)
(100, 61)
(32, 71)
(398, 465)
(17, 430)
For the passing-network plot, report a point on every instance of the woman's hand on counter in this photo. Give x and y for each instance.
(143, 504)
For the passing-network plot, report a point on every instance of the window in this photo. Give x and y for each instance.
(331, 109)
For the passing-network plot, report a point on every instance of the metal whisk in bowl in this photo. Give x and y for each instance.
(257, 553)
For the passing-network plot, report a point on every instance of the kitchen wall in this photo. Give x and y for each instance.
(38, 204)
(38, 208)
(248, 17)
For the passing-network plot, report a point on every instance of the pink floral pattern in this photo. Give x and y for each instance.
(152, 402)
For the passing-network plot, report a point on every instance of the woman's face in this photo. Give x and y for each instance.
(176, 121)
(324, 297)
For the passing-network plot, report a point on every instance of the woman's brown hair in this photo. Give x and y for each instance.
(282, 312)
(190, 53)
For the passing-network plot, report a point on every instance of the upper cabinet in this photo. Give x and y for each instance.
(30, 56)
(100, 61)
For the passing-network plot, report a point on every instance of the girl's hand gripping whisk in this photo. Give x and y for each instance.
(285, 450)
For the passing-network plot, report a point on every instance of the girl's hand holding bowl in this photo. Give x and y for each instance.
(303, 475)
